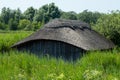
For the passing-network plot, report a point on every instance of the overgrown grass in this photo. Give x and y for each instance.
(7, 39)
(102, 65)
(95, 65)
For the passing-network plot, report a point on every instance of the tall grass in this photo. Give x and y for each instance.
(14, 65)
(7, 39)
(105, 63)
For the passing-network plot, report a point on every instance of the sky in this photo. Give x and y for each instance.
(77, 6)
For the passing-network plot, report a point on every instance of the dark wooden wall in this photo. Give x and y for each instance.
(53, 48)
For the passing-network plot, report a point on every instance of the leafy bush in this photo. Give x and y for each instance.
(2, 26)
(109, 26)
(89, 17)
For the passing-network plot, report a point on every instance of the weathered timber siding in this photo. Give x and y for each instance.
(53, 48)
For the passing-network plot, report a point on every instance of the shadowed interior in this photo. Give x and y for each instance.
(52, 48)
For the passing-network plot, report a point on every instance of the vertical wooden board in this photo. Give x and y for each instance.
(53, 48)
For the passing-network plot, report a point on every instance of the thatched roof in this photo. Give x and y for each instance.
(73, 32)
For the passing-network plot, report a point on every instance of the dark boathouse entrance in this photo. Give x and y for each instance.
(52, 48)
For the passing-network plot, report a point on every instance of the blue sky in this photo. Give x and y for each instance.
(65, 5)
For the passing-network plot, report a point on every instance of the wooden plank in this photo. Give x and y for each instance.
(53, 48)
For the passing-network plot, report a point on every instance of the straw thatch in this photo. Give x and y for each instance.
(73, 32)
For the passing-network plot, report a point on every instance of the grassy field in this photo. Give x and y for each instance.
(7, 39)
(14, 65)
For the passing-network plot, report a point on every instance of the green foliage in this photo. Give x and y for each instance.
(14, 65)
(23, 24)
(8, 14)
(93, 66)
(14, 19)
(109, 26)
(17, 15)
(12, 24)
(69, 15)
(101, 65)
(47, 12)
(11, 18)
(36, 25)
(5, 15)
(29, 26)
(32, 19)
(7, 39)
(53, 11)
(29, 13)
(2, 26)
(89, 17)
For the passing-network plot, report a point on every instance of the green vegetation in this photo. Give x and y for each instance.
(7, 39)
(30, 20)
(96, 65)
(93, 66)
(14, 65)
(109, 26)
(16, 20)
(33, 19)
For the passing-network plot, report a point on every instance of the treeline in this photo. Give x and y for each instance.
(107, 24)
(33, 19)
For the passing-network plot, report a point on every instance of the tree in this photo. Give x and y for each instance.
(36, 25)
(5, 14)
(109, 26)
(29, 13)
(89, 17)
(12, 24)
(53, 11)
(28, 27)
(69, 15)
(2, 26)
(23, 24)
(38, 16)
(47, 12)
(17, 15)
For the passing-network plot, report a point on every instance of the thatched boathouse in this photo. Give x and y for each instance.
(64, 38)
